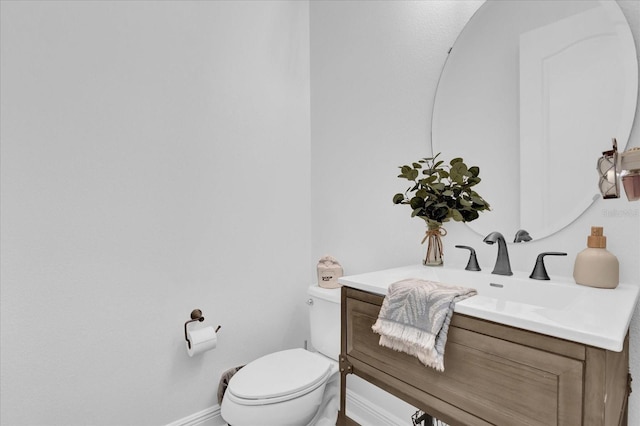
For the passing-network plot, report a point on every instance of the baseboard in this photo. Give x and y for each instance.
(208, 417)
(359, 408)
(363, 411)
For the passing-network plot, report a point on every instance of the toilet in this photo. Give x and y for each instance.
(293, 387)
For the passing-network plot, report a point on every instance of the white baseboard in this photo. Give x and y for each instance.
(359, 408)
(208, 417)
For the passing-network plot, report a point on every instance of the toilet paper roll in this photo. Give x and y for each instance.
(202, 340)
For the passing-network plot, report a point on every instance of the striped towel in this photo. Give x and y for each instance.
(415, 317)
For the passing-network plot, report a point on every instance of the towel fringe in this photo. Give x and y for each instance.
(410, 340)
(405, 333)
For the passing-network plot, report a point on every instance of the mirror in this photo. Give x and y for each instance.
(532, 92)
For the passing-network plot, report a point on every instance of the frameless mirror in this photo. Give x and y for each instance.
(532, 92)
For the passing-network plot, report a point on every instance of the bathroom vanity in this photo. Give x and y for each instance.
(499, 368)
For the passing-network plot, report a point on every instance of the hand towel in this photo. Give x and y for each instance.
(415, 317)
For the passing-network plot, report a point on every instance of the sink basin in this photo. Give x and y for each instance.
(559, 308)
(516, 289)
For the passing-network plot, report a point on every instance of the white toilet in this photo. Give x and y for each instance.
(293, 387)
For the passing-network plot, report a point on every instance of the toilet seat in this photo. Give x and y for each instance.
(279, 377)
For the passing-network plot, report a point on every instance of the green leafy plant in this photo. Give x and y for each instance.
(441, 192)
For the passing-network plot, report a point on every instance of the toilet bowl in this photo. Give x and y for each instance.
(293, 387)
(280, 389)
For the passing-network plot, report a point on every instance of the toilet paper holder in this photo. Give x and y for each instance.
(196, 315)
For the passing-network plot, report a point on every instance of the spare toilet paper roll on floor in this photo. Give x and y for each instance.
(202, 340)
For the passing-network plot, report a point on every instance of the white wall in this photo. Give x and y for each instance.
(155, 159)
(374, 71)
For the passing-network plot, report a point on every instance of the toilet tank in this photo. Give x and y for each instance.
(324, 320)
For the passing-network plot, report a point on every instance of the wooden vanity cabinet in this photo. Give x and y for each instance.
(494, 374)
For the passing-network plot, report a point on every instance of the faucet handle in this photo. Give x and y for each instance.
(472, 264)
(539, 271)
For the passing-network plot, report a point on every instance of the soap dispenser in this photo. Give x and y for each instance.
(595, 266)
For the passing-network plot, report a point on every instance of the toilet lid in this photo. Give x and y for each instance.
(279, 374)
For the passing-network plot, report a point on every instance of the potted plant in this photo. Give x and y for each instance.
(440, 192)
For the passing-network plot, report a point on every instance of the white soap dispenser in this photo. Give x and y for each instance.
(595, 266)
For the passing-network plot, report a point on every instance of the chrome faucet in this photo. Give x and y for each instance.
(503, 266)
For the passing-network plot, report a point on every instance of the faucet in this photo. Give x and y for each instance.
(522, 236)
(503, 266)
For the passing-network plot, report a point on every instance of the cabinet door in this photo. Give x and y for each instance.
(501, 382)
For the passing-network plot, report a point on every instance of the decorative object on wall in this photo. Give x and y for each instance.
(630, 165)
(625, 167)
(202, 339)
(608, 171)
(329, 270)
(439, 193)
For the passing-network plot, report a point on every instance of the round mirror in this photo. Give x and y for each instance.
(532, 92)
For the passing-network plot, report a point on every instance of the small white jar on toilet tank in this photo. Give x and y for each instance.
(329, 270)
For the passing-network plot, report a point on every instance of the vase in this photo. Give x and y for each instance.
(434, 245)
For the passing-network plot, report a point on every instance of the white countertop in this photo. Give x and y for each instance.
(559, 308)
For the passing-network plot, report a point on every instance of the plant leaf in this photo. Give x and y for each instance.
(398, 198)
(416, 202)
(456, 215)
(477, 200)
